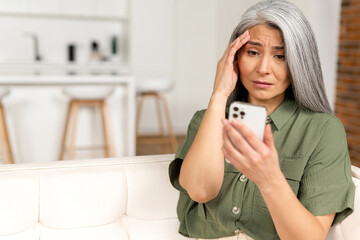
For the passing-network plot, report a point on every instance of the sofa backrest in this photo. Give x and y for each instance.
(104, 199)
(128, 198)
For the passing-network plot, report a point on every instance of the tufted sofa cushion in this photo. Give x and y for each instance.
(103, 199)
(107, 199)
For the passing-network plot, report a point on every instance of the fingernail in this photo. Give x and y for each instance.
(224, 122)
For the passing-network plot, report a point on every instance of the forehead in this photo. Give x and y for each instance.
(266, 34)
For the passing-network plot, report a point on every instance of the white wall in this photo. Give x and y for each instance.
(175, 39)
(202, 32)
(178, 39)
(195, 59)
(152, 37)
(324, 16)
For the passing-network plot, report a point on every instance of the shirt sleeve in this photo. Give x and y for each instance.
(175, 165)
(326, 186)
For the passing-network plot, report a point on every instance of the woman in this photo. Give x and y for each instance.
(295, 183)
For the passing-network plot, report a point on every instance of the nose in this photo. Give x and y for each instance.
(264, 66)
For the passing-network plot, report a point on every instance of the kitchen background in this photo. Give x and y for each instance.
(176, 39)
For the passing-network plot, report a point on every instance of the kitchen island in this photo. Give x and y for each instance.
(36, 107)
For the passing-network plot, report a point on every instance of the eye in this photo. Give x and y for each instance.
(280, 57)
(252, 53)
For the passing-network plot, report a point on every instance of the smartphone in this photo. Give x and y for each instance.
(253, 116)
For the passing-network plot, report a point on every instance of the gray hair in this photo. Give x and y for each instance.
(304, 68)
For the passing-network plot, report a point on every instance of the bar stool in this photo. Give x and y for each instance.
(153, 88)
(86, 96)
(6, 152)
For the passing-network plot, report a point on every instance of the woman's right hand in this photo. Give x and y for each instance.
(227, 68)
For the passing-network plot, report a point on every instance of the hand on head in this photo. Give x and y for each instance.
(227, 69)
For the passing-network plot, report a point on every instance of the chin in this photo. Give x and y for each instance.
(260, 96)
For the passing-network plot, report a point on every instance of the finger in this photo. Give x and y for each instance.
(231, 153)
(240, 41)
(227, 140)
(239, 141)
(248, 135)
(239, 38)
(268, 137)
(237, 44)
(235, 158)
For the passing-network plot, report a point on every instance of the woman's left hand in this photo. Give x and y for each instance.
(257, 160)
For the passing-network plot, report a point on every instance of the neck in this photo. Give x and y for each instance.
(271, 105)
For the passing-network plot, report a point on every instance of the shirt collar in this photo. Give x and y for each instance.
(283, 113)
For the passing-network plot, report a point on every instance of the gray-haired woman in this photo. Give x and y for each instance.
(295, 183)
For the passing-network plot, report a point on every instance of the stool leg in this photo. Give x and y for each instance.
(172, 137)
(138, 114)
(74, 114)
(108, 140)
(165, 146)
(11, 157)
(63, 142)
(4, 144)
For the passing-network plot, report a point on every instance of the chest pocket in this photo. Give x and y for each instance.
(293, 169)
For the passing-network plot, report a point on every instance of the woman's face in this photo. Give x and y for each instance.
(262, 66)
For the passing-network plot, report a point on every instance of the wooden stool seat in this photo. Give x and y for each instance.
(71, 123)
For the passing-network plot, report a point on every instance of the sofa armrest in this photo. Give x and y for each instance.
(349, 228)
(355, 172)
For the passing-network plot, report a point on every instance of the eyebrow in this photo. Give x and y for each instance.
(259, 44)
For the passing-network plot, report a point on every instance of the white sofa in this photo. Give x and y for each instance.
(102, 199)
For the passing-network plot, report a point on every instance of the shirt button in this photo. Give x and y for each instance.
(235, 210)
(268, 120)
(238, 231)
(243, 178)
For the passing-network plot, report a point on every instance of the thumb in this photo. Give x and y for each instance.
(268, 136)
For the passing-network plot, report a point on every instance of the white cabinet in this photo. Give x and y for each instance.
(107, 9)
(77, 7)
(43, 6)
(13, 6)
(111, 8)
(57, 23)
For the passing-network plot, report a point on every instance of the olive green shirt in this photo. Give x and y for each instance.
(313, 156)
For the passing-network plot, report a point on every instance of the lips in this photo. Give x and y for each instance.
(261, 84)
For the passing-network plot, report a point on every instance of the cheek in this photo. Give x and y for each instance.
(287, 80)
(283, 76)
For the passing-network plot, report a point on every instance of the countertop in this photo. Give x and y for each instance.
(64, 79)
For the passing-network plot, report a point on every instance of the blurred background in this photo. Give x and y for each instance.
(177, 40)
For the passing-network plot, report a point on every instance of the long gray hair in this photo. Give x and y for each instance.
(303, 64)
